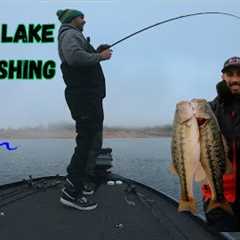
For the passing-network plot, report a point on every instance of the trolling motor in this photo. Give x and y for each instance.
(103, 161)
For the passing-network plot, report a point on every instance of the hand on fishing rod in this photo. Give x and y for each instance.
(103, 47)
(106, 54)
(105, 51)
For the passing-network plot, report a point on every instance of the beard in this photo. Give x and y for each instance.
(231, 86)
(80, 27)
(235, 88)
(234, 84)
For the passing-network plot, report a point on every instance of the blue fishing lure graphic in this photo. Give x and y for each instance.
(7, 146)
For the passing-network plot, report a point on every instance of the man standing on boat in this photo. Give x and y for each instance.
(226, 107)
(84, 93)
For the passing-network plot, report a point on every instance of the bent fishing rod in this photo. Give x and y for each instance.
(170, 20)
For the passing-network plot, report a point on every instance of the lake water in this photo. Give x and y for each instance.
(145, 160)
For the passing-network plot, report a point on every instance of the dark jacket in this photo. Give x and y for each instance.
(81, 69)
(227, 110)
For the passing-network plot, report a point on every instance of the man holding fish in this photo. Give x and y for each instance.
(226, 107)
(206, 147)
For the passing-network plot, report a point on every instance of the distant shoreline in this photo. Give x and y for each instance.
(61, 133)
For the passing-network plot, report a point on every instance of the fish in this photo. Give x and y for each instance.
(213, 154)
(185, 151)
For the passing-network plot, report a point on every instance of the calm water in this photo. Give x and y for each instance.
(145, 160)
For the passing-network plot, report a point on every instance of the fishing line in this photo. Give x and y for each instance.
(173, 19)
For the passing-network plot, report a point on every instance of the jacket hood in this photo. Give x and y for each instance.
(66, 27)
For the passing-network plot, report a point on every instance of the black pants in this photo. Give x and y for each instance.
(221, 220)
(88, 115)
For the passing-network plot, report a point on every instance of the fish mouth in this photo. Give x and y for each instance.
(201, 121)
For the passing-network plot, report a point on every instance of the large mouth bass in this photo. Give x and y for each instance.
(213, 153)
(185, 147)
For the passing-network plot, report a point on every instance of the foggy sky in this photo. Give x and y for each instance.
(147, 75)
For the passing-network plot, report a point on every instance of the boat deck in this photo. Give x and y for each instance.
(127, 211)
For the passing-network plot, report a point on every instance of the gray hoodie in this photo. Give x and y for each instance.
(73, 46)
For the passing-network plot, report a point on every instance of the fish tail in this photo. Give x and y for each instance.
(224, 205)
(189, 205)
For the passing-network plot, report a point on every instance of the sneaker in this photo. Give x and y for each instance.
(80, 203)
(88, 189)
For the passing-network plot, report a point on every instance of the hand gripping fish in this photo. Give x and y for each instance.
(185, 147)
(213, 154)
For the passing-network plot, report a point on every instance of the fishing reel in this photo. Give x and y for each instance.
(103, 47)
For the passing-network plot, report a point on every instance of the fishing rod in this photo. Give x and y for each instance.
(170, 20)
(33, 187)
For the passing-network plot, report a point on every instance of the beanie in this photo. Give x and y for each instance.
(67, 15)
